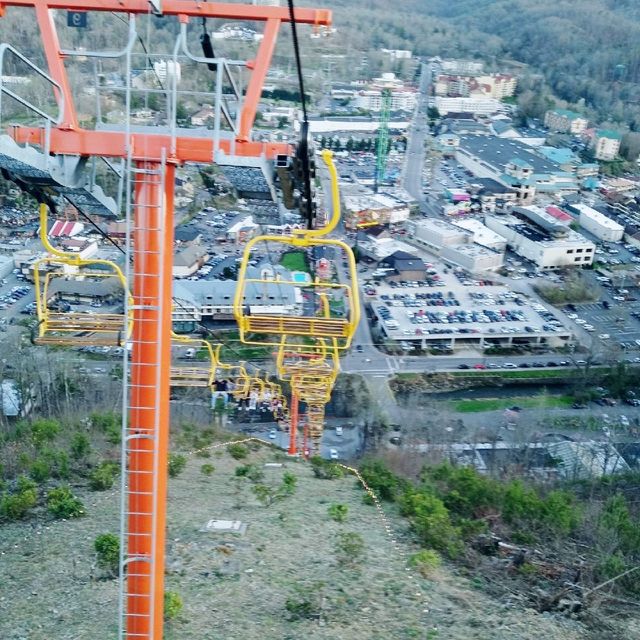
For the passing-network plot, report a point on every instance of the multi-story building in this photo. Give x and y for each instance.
(476, 105)
(435, 234)
(496, 85)
(371, 100)
(565, 121)
(206, 300)
(597, 224)
(606, 144)
(473, 257)
(378, 209)
(462, 67)
(482, 235)
(535, 235)
(514, 165)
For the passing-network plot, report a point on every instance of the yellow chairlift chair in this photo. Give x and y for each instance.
(76, 328)
(201, 374)
(289, 315)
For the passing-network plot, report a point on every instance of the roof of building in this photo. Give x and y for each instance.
(571, 115)
(482, 235)
(608, 133)
(189, 256)
(65, 228)
(499, 151)
(501, 126)
(562, 155)
(403, 261)
(559, 214)
(186, 234)
(491, 186)
(200, 293)
(94, 287)
(598, 217)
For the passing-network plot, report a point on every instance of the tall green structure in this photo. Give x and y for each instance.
(382, 144)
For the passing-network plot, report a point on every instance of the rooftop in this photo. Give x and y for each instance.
(572, 115)
(499, 151)
(200, 293)
(608, 133)
(597, 217)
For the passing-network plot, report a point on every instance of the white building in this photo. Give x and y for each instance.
(462, 67)
(473, 257)
(606, 144)
(435, 234)
(167, 70)
(371, 100)
(598, 224)
(549, 246)
(565, 121)
(479, 106)
(482, 235)
(398, 54)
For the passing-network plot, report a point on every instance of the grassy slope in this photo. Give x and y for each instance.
(475, 405)
(241, 594)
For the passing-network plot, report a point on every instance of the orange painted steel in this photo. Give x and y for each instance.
(149, 399)
(293, 431)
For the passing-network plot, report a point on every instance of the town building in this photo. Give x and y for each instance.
(597, 224)
(606, 144)
(535, 235)
(461, 67)
(514, 165)
(205, 300)
(374, 209)
(492, 195)
(187, 261)
(398, 54)
(473, 257)
(405, 267)
(565, 121)
(496, 86)
(482, 235)
(475, 105)
(434, 234)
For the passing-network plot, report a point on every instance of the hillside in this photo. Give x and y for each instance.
(237, 587)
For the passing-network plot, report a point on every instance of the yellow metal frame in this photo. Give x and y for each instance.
(104, 328)
(272, 326)
(194, 376)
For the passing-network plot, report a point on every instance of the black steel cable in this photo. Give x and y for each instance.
(303, 145)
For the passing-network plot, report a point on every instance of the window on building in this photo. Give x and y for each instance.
(577, 259)
(569, 250)
(579, 250)
(589, 249)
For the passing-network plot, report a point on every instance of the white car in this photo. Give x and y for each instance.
(604, 336)
(333, 454)
(573, 316)
(338, 431)
(509, 365)
(581, 321)
(273, 434)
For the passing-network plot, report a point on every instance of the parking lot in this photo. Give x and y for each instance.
(455, 309)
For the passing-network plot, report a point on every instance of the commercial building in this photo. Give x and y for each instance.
(374, 209)
(535, 235)
(189, 260)
(606, 144)
(405, 267)
(493, 195)
(462, 67)
(514, 165)
(473, 257)
(496, 85)
(435, 234)
(201, 300)
(475, 105)
(482, 235)
(598, 224)
(565, 121)
(371, 100)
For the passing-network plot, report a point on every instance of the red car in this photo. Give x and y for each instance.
(479, 366)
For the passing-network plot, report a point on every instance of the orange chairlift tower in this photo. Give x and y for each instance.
(49, 159)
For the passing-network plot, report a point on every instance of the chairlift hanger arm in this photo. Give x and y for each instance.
(225, 11)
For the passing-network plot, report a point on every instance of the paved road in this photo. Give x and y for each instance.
(414, 159)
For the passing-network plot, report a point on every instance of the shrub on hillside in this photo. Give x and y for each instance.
(325, 469)
(103, 476)
(176, 464)
(61, 503)
(237, 451)
(338, 512)
(172, 605)
(107, 547)
(207, 469)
